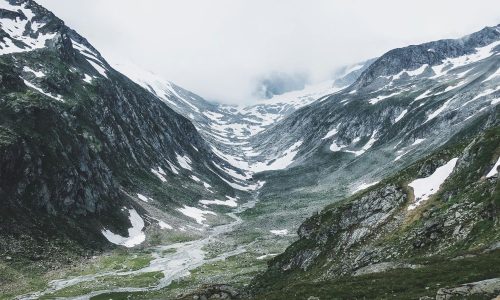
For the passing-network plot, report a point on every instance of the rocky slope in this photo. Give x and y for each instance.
(402, 227)
(85, 149)
(401, 107)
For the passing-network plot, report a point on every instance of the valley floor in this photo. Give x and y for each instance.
(231, 253)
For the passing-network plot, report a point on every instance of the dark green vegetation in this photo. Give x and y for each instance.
(402, 283)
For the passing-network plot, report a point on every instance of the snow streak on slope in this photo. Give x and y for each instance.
(279, 163)
(494, 170)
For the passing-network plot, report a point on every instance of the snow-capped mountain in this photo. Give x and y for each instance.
(409, 101)
(230, 129)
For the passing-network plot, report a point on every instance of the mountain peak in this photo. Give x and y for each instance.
(431, 54)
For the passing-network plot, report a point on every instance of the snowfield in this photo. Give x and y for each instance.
(280, 163)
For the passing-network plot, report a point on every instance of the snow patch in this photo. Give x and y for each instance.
(231, 202)
(367, 146)
(135, 234)
(364, 186)
(400, 156)
(376, 100)
(494, 75)
(207, 186)
(101, 70)
(494, 170)
(173, 168)
(87, 78)
(415, 72)
(401, 115)
(280, 163)
(164, 225)
(422, 96)
(424, 188)
(38, 74)
(184, 161)
(417, 141)
(330, 133)
(143, 198)
(159, 173)
(281, 232)
(195, 213)
(334, 147)
(30, 85)
(267, 256)
(438, 111)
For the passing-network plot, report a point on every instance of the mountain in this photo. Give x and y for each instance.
(397, 110)
(87, 147)
(87, 154)
(230, 129)
(116, 183)
(422, 232)
(408, 155)
(367, 152)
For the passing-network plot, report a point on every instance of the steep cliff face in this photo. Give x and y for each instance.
(403, 224)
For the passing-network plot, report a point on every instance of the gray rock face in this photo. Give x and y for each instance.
(360, 217)
(484, 288)
(383, 267)
(341, 229)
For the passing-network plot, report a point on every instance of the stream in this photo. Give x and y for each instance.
(174, 265)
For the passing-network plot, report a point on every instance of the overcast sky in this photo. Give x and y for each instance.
(221, 48)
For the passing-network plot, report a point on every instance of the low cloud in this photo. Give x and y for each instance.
(222, 49)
